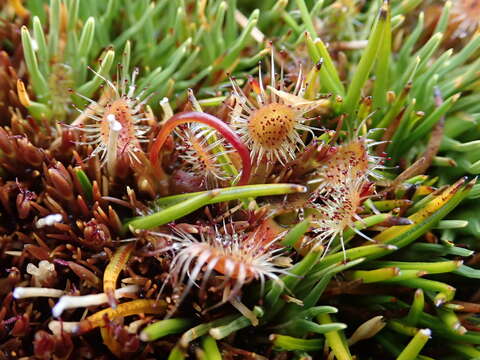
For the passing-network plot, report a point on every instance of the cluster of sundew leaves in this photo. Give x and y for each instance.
(425, 212)
(415, 89)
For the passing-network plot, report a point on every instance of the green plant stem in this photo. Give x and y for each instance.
(296, 233)
(234, 193)
(163, 328)
(202, 329)
(366, 63)
(375, 275)
(176, 354)
(241, 322)
(290, 343)
(437, 267)
(334, 340)
(416, 345)
(416, 309)
(173, 212)
(445, 291)
(210, 348)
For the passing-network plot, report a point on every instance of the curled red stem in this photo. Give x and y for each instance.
(212, 121)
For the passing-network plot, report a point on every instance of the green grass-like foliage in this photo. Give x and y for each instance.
(410, 292)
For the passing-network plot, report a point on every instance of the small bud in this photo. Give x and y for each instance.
(146, 186)
(391, 97)
(5, 143)
(22, 326)
(60, 182)
(367, 330)
(31, 154)
(96, 235)
(23, 203)
(85, 274)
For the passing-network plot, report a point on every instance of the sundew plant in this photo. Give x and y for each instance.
(237, 179)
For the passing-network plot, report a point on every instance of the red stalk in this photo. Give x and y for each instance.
(212, 121)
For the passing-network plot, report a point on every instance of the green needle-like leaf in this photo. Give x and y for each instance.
(416, 309)
(39, 83)
(382, 67)
(236, 192)
(90, 87)
(375, 42)
(284, 342)
(86, 39)
(163, 328)
(416, 345)
(335, 340)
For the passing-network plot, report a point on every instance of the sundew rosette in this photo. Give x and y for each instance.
(117, 124)
(236, 258)
(272, 121)
(335, 211)
(350, 160)
(200, 153)
(343, 182)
